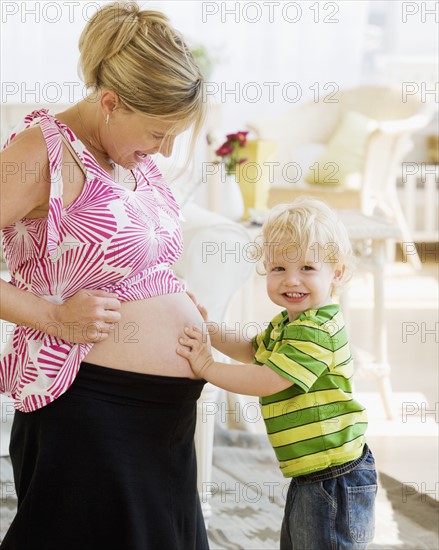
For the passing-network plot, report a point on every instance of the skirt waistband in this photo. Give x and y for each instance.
(127, 386)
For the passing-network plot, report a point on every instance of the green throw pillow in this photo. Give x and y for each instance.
(343, 160)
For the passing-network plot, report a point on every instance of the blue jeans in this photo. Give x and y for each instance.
(332, 509)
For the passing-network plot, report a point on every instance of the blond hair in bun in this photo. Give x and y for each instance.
(145, 61)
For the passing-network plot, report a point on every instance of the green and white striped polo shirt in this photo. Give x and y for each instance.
(315, 423)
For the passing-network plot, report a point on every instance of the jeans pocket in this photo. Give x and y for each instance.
(361, 510)
(328, 489)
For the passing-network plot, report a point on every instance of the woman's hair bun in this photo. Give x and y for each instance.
(140, 56)
(107, 33)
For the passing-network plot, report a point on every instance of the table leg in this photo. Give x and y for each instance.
(380, 328)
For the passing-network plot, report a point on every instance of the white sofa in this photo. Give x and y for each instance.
(215, 266)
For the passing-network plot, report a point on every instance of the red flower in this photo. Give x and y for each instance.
(224, 150)
(242, 137)
(229, 151)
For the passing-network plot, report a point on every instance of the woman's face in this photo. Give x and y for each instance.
(129, 137)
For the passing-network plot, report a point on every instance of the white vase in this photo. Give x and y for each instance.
(231, 203)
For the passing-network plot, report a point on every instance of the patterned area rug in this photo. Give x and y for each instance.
(248, 495)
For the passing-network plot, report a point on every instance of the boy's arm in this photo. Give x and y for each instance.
(227, 341)
(230, 342)
(246, 379)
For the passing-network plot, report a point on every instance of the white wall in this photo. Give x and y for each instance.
(270, 56)
(255, 43)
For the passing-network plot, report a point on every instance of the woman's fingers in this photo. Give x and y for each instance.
(191, 296)
(112, 317)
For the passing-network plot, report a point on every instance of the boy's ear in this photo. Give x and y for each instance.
(338, 274)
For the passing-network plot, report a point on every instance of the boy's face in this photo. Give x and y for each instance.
(299, 279)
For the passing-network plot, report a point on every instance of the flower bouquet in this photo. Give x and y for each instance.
(229, 151)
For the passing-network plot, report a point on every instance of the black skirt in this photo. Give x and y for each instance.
(110, 464)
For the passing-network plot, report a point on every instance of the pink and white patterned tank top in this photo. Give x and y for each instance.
(108, 238)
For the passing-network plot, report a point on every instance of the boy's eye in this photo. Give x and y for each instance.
(277, 268)
(307, 268)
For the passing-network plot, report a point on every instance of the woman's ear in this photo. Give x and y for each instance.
(109, 101)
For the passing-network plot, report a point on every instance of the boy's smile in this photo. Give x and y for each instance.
(301, 283)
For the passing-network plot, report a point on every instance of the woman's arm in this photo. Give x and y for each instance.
(244, 379)
(87, 316)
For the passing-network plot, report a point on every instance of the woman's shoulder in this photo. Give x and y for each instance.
(25, 181)
(27, 146)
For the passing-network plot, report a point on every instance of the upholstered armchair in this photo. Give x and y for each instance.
(346, 149)
(214, 266)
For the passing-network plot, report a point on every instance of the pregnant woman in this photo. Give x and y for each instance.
(102, 440)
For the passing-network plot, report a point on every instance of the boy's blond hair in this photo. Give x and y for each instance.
(308, 223)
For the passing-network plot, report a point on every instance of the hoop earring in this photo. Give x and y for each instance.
(107, 118)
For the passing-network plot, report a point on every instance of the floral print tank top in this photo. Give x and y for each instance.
(108, 238)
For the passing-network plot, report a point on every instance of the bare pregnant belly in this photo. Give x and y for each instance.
(147, 336)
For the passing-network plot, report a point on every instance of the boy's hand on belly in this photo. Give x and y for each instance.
(196, 350)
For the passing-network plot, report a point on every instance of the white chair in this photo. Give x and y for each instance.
(214, 266)
(304, 132)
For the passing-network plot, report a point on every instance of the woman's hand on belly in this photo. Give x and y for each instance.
(88, 316)
(146, 337)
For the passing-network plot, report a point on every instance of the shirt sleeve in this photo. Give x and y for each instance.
(303, 356)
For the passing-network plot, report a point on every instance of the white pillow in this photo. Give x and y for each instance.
(342, 162)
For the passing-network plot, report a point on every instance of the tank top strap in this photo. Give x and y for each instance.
(53, 140)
